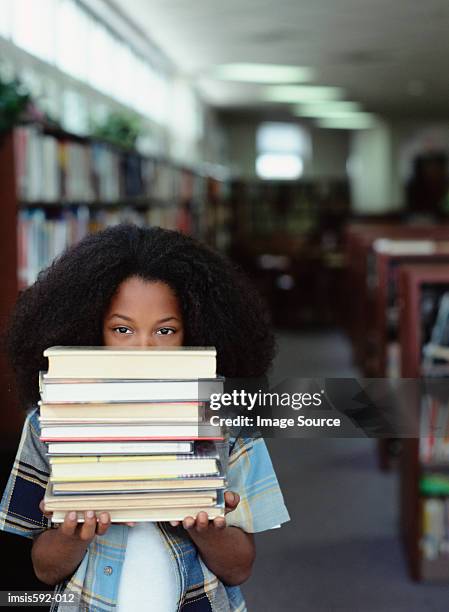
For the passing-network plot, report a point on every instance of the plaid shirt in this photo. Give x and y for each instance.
(96, 580)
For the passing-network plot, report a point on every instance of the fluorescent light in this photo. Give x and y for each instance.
(336, 114)
(326, 109)
(279, 166)
(358, 121)
(263, 73)
(302, 93)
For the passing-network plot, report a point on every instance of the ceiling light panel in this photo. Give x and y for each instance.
(302, 93)
(326, 109)
(263, 73)
(348, 123)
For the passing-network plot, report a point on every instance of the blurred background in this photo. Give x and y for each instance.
(307, 141)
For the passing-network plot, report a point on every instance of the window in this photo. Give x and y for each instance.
(101, 51)
(6, 18)
(36, 39)
(279, 166)
(72, 37)
(281, 149)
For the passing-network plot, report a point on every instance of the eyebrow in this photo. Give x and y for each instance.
(164, 320)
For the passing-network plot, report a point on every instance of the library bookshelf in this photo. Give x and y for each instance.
(389, 257)
(414, 280)
(369, 278)
(361, 280)
(55, 187)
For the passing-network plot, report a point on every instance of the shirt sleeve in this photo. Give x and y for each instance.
(19, 508)
(251, 475)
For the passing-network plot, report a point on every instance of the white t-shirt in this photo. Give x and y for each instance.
(149, 579)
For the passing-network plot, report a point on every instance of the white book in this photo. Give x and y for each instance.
(118, 448)
(107, 362)
(60, 390)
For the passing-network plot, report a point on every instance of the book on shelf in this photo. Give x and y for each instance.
(97, 402)
(437, 348)
(434, 485)
(105, 362)
(404, 246)
(437, 351)
(63, 167)
(434, 542)
(434, 430)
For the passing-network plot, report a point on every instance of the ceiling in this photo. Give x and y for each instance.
(391, 56)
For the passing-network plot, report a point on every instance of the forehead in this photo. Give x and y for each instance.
(136, 295)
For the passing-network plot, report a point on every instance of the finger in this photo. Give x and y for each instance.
(174, 523)
(132, 524)
(89, 526)
(188, 522)
(232, 500)
(42, 509)
(202, 522)
(219, 522)
(69, 525)
(104, 522)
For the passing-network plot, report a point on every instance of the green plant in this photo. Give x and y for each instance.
(121, 129)
(14, 101)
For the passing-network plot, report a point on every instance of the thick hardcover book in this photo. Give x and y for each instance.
(125, 390)
(149, 514)
(119, 448)
(149, 362)
(139, 500)
(119, 412)
(129, 432)
(65, 469)
(123, 487)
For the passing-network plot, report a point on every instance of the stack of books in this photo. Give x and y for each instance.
(127, 433)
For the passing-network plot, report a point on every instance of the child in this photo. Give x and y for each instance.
(130, 286)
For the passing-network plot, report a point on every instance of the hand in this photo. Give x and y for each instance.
(84, 531)
(201, 522)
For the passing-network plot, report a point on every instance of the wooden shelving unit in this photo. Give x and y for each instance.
(387, 266)
(368, 279)
(10, 414)
(362, 283)
(412, 281)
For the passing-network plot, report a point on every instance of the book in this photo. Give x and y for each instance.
(405, 246)
(115, 390)
(131, 467)
(434, 431)
(119, 448)
(433, 527)
(128, 431)
(148, 514)
(104, 398)
(140, 500)
(120, 487)
(118, 412)
(437, 351)
(433, 485)
(107, 362)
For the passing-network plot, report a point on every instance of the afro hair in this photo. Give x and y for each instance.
(67, 303)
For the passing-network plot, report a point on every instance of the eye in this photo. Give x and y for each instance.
(165, 331)
(122, 330)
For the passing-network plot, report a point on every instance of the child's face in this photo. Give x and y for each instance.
(143, 313)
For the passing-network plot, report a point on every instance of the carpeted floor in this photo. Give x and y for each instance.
(341, 550)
